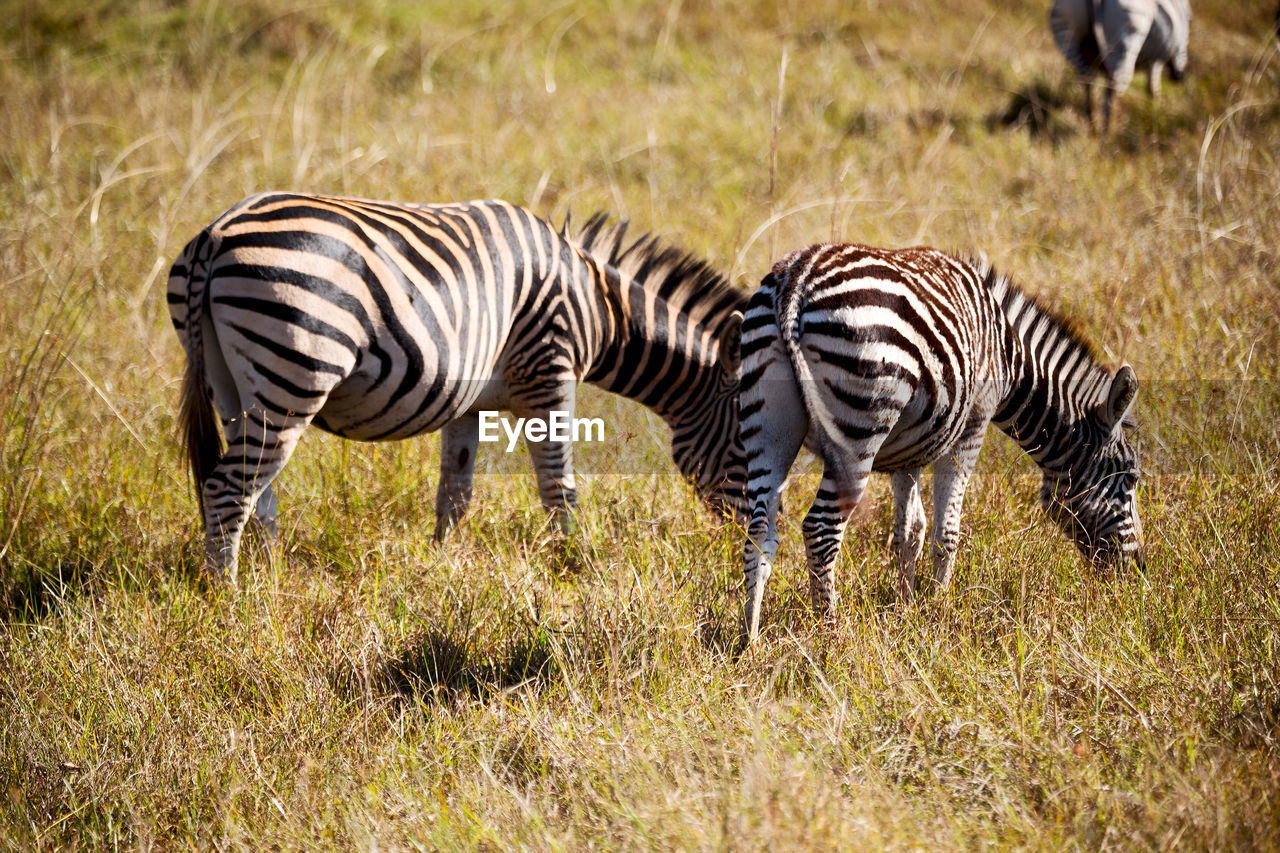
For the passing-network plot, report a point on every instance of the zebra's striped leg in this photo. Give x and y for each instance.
(265, 511)
(823, 530)
(774, 425)
(553, 465)
(1091, 104)
(951, 475)
(266, 508)
(1110, 99)
(458, 443)
(908, 528)
(256, 452)
(553, 458)
(758, 553)
(757, 565)
(1121, 61)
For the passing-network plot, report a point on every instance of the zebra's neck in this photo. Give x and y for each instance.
(662, 321)
(657, 355)
(1055, 378)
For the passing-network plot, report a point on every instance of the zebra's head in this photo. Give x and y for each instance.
(705, 440)
(1095, 498)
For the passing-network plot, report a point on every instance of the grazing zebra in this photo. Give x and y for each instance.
(375, 320)
(893, 360)
(1118, 37)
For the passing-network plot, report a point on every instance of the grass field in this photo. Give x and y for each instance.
(362, 687)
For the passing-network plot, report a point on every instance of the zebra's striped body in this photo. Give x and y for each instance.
(894, 360)
(376, 321)
(1118, 37)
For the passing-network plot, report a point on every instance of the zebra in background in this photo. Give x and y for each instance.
(1117, 37)
(376, 320)
(893, 360)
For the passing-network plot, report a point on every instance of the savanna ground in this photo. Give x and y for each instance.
(364, 687)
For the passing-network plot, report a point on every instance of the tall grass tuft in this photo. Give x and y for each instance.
(35, 365)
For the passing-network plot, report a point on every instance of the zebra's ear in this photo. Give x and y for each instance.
(1120, 397)
(730, 354)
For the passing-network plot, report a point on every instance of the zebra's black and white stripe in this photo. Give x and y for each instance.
(894, 360)
(376, 320)
(1118, 37)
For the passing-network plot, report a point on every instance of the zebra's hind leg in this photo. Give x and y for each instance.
(773, 428)
(757, 562)
(1110, 102)
(266, 509)
(768, 465)
(459, 441)
(908, 528)
(257, 449)
(823, 528)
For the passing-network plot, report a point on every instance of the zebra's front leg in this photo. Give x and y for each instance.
(553, 465)
(553, 454)
(951, 476)
(908, 528)
(823, 530)
(459, 441)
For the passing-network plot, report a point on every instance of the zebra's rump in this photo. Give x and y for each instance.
(1163, 26)
(888, 341)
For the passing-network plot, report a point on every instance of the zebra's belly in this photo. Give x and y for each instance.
(494, 395)
(904, 452)
(924, 432)
(348, 411)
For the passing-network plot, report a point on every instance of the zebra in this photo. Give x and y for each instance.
(377, 320)
(1118, 37)
(889, 360)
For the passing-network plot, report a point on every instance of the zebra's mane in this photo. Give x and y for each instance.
(688, 283)
(1028, 313)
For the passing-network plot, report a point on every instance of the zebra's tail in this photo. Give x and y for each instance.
(201, 435)
(789, 299)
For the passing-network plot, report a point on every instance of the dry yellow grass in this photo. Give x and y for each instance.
(366, 688)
